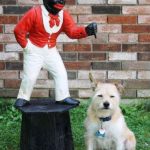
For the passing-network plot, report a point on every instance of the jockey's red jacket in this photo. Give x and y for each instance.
(31, 25)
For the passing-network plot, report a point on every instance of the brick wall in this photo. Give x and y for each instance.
(121, 52)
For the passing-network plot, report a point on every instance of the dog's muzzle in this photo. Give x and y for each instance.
(106, 105)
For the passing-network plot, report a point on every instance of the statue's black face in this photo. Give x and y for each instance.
(59, 2)
(50, 5)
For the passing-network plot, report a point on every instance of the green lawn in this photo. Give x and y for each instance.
(137, 117)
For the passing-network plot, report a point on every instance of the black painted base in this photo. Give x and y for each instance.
(46, 130)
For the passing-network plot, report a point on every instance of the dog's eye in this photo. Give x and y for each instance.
(112, 96)
(100, 95)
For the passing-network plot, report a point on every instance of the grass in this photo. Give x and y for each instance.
(137, 117)
(9, 126)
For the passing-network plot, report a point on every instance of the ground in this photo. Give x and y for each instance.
(137, 116)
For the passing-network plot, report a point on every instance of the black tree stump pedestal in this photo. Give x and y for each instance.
(46, 126)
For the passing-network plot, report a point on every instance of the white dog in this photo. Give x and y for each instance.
(105, 125)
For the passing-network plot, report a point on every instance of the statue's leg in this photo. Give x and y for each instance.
(54, 64)
(31, 68)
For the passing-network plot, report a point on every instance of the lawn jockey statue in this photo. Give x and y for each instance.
(37, 33)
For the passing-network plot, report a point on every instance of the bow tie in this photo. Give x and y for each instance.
(54, 19)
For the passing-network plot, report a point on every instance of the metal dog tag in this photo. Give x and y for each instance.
(100, 133)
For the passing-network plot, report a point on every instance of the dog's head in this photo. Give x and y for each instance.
(106, 98)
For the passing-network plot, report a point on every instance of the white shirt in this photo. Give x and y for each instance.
(46, 19)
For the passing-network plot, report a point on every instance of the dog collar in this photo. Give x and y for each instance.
(105, 119)
(101, 132)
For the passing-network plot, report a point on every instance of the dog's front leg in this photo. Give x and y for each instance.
(90, 144)
(120, 145)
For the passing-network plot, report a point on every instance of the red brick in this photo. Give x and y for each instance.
(144, 56)
(28, 2)
(143, 10)
(135, 28)
(1, 29)
(70, 2)
(1, 83)
(8, 19)
(69, 56)
(123, 38)
(2, 65)
(87, 40)
(92, 56)
(122, 19)
(35, 2)
(136, 47)
(77, 47)
(78, 65)
(136, 65)
(21, 56)
(9, 28)
(109, 28)
(101, 38)
(8, 2)
(7, 38)
(8, 93)
(1, 47)
(107, 47)
(144, 38)
(129, 93)
(79, 9)
(92, 18)
(8, 74)
(40, 93)
(73, 93)
(12, 83)
(137, 84)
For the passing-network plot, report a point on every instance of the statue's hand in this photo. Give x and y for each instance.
(91, 29)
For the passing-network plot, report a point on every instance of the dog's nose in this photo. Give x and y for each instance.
(106, 104)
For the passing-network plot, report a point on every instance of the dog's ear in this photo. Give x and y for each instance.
(120, 87)
(93, 81)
